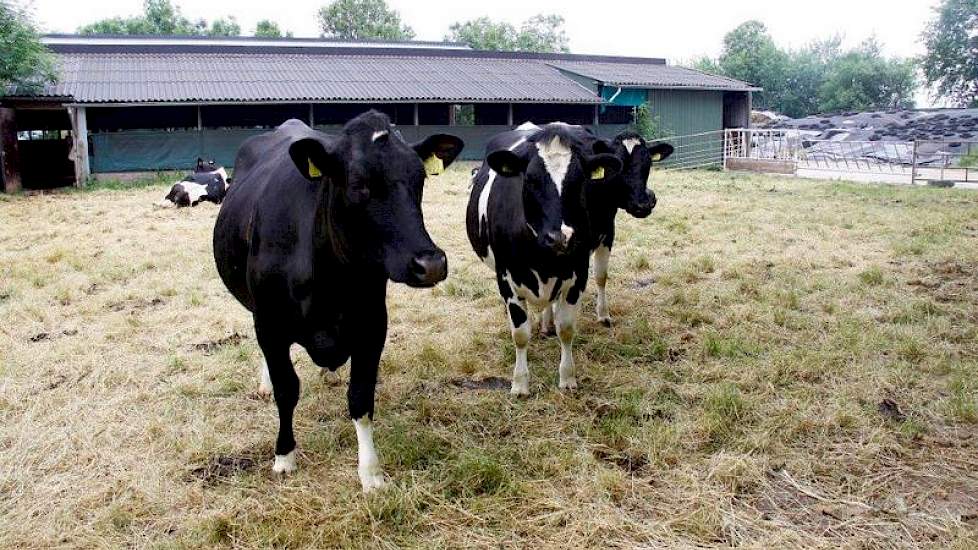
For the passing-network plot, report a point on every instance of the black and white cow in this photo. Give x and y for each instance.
(628, 191)
(527, 218)
(208, 182)
(307, 238)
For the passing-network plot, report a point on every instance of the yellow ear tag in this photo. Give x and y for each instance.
(598, 173)
(656, 157)
(313, 171)
(434, 165)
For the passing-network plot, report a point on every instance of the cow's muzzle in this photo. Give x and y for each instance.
(428, 269)
(642, 209)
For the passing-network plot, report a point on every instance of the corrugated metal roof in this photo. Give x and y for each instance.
(237, 77)
(648, 75)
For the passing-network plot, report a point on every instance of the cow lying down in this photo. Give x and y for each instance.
(208, 182)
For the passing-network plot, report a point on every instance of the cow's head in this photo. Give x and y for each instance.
(636, 158)
(557, 162)
(373, 204)
(206, 165)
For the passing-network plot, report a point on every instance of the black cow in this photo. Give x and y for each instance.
(209, 182)
(528, 219)
(628, 191)
(307, 238)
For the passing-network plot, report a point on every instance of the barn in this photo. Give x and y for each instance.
(138, 104)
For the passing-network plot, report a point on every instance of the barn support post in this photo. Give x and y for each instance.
(9, 154)
(79, 130)
(451, 114)
(415, 114)
(312, 117)
(509, 114)
(597, 118)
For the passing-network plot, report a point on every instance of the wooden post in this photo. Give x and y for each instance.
(79, 128)
(9, 154)
(597, 118)
(509, 114)
(415, 114)
(312, 117)
(451, 114)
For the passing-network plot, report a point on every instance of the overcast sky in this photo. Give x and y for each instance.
(676, 30)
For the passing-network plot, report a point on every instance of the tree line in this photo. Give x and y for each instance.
(820, 77)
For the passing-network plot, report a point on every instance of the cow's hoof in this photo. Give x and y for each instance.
(285, 464)
(372, 480)
(569, 384)
(264, 392)
(520, 390)
(606, 321)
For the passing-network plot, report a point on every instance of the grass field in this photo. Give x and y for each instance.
(793, 364)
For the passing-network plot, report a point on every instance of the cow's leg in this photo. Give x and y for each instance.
(547, 321)
(264, 380)
(360, 399)
(285, 387)
(602, 255)
(364, 363)
(565, 316)
(519, 324)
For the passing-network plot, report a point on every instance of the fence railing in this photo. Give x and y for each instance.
(703, 150)
(796, 152)
(945, 161)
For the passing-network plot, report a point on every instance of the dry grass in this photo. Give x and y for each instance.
(739, 400)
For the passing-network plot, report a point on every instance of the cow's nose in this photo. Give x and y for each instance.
(555, 241)
(430, 268)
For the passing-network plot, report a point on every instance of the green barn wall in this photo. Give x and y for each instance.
(684, 112)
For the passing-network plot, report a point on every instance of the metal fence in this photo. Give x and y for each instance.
(945, 162)
(703, 151)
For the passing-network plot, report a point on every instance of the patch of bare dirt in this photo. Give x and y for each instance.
(488, 383)
(211, 346)
(221, 467)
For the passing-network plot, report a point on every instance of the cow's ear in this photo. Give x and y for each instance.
(506, 163)
(603, 167)
(438, 151)
(312, 158)
(660, 151)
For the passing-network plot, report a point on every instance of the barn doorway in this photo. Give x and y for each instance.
(44, 141)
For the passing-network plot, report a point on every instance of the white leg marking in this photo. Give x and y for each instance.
(285, 464)
(565, 316)
(264, 381)
(547, 320)
(601, 257)
(371, 475)
(521, 338)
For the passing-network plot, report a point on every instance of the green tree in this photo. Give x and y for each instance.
(750, 54)
(805, 72)
(543, 33)
(863, 80)
(483, 34)
(540, 33)
(224, 27)
(269, 29)
(951, 61)
(817, 78)
(163, 18)
(25, 64)
(362, 19)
